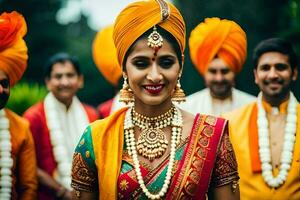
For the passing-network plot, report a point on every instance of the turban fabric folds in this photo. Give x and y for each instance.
(13, 49)
(139, 17)
(105, 55)
(222, 38)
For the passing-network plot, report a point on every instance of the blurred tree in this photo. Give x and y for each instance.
(46, 37)
(293, 33)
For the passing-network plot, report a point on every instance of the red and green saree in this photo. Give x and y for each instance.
(204, 160)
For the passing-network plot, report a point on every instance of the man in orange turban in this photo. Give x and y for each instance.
(18, 178)
(105, 58)
(218, 50)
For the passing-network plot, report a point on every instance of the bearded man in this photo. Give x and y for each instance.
(218, 49)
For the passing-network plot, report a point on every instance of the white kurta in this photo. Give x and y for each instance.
(202, 102)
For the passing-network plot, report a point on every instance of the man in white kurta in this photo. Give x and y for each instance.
(218, 49)
(203, 102)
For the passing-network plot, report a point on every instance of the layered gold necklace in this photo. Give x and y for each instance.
(152, 141)
(176, 124)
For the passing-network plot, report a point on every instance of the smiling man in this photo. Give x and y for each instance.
(57, 124)
(218, 49)
(265, 134)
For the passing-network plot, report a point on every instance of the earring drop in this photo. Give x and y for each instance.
(178, 95)
(126, 94)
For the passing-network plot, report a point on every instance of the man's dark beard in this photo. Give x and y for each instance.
(276, 99)
(283, 91)
(3, 99)
(222, 94)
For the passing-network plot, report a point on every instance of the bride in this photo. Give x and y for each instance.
(153, 150)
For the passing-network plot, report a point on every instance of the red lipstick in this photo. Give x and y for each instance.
(154, 89)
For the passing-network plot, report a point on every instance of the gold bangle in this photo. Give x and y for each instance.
(234, 186)
(77, 193)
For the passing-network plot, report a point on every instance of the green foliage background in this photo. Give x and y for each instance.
(260, 19)
(46, 37)
(24, 94)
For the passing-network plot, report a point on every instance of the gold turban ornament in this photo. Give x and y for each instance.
(13, 49)
(139, 17)
(216, 37)
(105, 55)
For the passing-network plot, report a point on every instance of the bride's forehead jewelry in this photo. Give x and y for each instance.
(155, 40)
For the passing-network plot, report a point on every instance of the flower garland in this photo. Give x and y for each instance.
(6, 161)
(288, 145)
(177, 125)
(56, 137)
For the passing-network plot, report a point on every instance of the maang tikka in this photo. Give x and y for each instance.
(155, 40)
(126, 94)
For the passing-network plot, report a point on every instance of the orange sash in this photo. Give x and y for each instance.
(108, 146)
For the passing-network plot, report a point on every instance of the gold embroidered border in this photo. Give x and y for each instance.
(83, 179)
(199, 156)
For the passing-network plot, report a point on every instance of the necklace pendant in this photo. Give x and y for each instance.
(152, 143)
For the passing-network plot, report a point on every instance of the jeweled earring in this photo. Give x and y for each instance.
(126, 94)
(178, 95)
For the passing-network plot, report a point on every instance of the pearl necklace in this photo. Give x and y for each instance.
(6, 161)
(152, 141)
(288, 145)
(160, 121)
(131, 147)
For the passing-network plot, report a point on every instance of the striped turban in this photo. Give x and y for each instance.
(139, 17)
(218, 38)
(105, 55)
(13, 49)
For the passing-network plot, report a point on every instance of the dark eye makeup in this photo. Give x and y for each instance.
(141, 62)
(166, 61)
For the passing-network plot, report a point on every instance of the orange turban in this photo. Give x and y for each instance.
(139, 17)
(13, 49)
(222, 38)
(105, 55)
